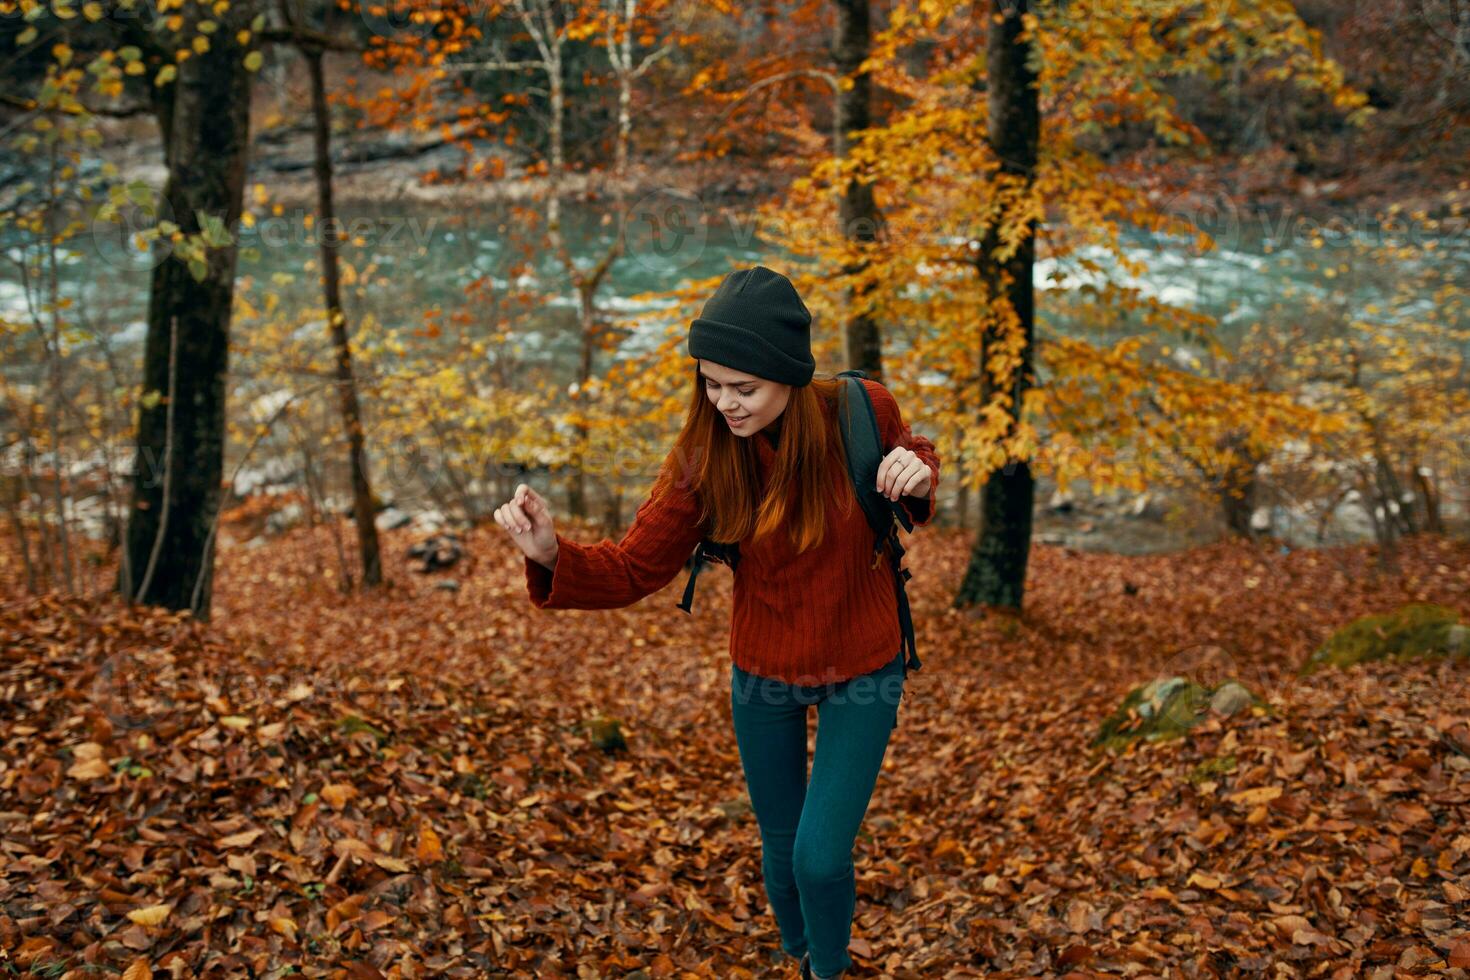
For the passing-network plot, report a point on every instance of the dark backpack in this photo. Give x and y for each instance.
(864, 445)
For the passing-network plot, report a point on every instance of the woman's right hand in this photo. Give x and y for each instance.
(527, 519)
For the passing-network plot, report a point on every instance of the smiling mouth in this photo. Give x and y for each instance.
(734, 419)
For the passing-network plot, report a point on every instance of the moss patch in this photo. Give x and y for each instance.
(352, 725)
(1409, 632)
(1212, 769)
(606, 733)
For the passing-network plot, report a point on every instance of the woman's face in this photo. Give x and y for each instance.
(747, 403)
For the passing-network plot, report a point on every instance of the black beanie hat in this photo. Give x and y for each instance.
(755, 322)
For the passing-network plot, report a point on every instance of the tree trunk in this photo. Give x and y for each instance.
(1238, 504)
(858, 212)
(1428, 502)
(205, 123)
(996, 574)
(363, 511)
(1239, 488)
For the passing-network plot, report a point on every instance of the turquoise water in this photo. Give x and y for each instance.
(1264, 266)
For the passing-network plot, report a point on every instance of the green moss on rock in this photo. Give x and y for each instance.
(607, 734)
(1168, 707)
(1407, 633)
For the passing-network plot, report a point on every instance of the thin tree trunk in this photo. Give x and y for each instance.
(53, 350)
(858, 211)
(996, 575)
(43, 545)
(1428, 502)
(170, 427)
(12, 509)
(362, 493)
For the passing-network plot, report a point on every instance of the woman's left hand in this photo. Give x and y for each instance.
(903, 472)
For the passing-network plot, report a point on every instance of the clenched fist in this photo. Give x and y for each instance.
(527, 518)
(903, 472)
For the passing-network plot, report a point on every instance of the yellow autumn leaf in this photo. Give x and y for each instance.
(152, 915)
(140, 969)
(1256, 795)
(389, 863)
(946, 847)
(243, 839)
(336, 795)
(429, 848)
(89, 769)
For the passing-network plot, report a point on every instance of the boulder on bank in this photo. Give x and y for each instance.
(1407, 633)
(1168, 707)
(437, 551)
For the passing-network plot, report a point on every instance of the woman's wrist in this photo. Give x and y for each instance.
(547, 561)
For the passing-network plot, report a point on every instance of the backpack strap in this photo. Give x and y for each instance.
(863, 442)
(687, 603)
(707, 550)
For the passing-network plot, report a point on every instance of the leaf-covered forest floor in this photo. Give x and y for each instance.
(406, 784)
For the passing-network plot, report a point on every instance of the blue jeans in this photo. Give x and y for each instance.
(808, 829)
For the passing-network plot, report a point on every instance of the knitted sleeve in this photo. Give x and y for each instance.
(896, 433)
(611, 574)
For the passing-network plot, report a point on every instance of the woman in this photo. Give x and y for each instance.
(760, 461)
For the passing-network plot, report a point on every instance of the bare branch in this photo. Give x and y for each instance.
(495, 66)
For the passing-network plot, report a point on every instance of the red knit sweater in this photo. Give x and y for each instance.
(822, 616)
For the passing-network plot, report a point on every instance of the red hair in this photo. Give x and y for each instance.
(808, 469)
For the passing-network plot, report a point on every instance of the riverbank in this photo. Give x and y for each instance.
(424, 168)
